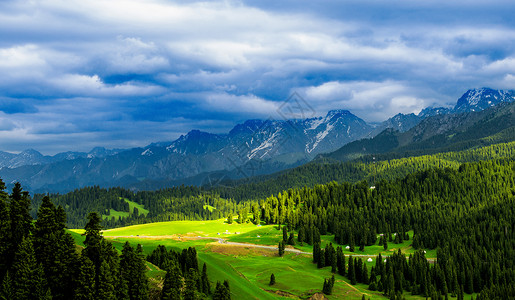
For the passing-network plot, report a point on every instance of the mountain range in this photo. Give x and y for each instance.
(252, 148)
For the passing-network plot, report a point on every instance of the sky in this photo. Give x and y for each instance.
(78, 74)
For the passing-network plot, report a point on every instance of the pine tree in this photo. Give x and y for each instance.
(21, 221)
(28, 278)
(364, 276)
(351, 273)
(133, 269)
(272, 279)
(285, 234)
(172, 284)
(340, 261)
(291, 239)
(6, 289)
(206, 287)
(229, 218)
(93, 239)
(106, 287)
(281, 248)
(5, 232)
(86, 282)
(55, 250)
(190, 288)
(222, 291)
(385, 244)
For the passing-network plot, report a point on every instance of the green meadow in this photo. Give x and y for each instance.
(248, 269)
(124, 214)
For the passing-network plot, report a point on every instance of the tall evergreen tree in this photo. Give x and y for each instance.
(86, 282)
(20, 219)
(172, 284)
(7, 289)
(5, 232)
(28, 280)
(55, 250)
(93, 239)
(206, 286)
(106, 283)
(351, 273)
(222, 292)
(281, 248)
(340, 261)
(133, 270)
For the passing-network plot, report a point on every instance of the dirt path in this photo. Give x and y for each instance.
(225, 242)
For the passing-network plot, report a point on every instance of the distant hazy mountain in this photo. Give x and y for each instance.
(252, 148)
(472, 100)
(32, 157)
(446, 132)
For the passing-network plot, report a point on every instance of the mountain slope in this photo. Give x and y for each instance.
(252, 148)
(438, 133)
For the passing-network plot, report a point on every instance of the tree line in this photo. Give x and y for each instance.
(40, 260)
(467, 214)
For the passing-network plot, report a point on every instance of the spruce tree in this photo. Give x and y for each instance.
(291, 239)
(206, 287)
(28, 279)
(86, 282)
(172, 284)
(133, 270)
(93, 239)
(7, 289)
(5, 232)
(281, 248)
(222, 291)
(272, 279)
(340, 261)
(106, 283)
(351, 273)
(190, 288)
(55, 250)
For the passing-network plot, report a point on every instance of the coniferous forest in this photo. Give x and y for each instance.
(466, 213)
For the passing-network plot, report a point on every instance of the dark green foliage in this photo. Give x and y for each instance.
(291, 239)
(55, 250)
(86, 284)
(285, 234)
(340, 261)
(205, 285)
(281, 248)
(6, 288)
(222, 291)
(6, 245)
(328, 285)
(28, 278)
(191, 285)
(93, 239)
(132, 266)
(351, 273)
(19, 211)
(272, 279)
(172, 284)
(229, 218)
(106, 282)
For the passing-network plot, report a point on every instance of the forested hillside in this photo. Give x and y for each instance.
(194, 203)
(467, 214)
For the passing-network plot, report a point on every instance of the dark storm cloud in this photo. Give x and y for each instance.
(124, 73)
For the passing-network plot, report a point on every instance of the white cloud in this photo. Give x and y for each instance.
(129, 60)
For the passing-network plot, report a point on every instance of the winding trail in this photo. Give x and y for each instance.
(225, 242)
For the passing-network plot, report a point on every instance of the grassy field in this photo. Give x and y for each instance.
(123, 214)
(248, 269)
